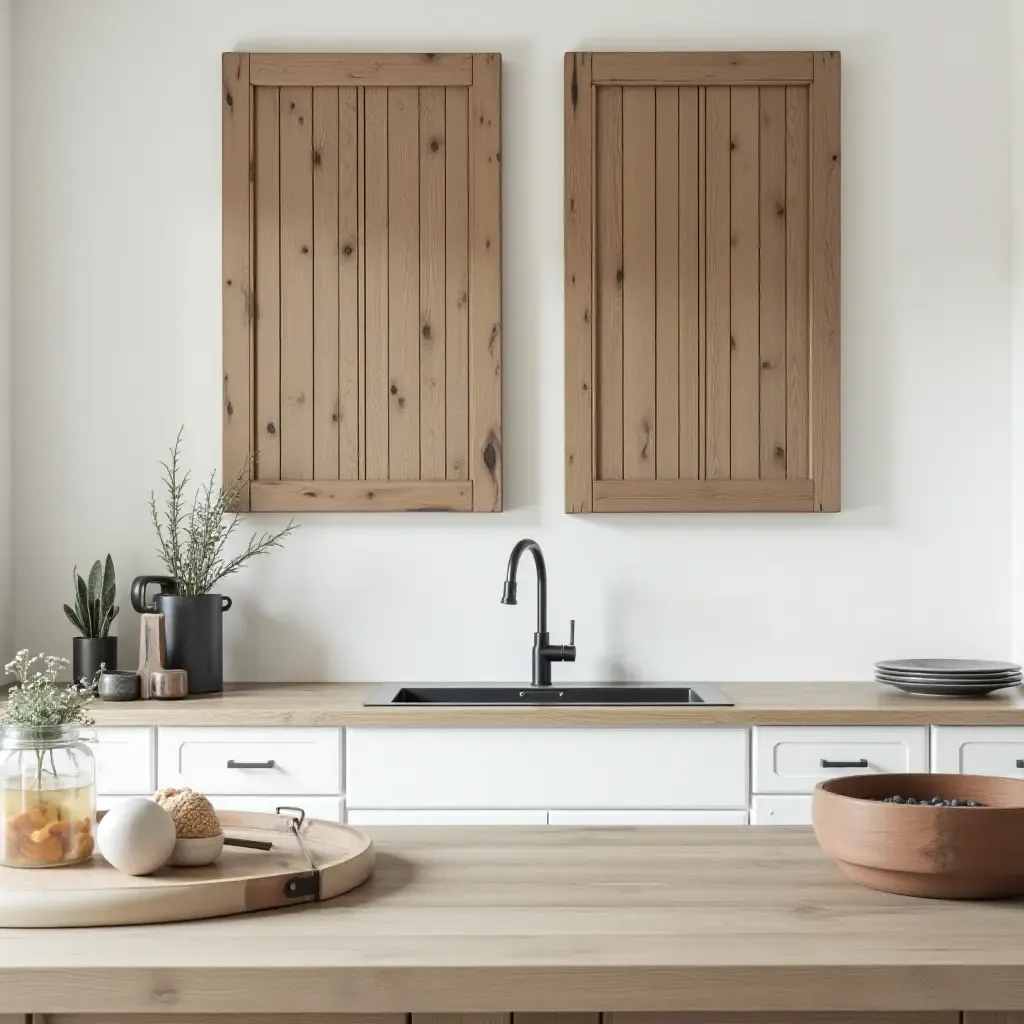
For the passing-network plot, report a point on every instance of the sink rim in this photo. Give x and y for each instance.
(547, 697)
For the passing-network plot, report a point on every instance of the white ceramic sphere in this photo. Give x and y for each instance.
(136, 836)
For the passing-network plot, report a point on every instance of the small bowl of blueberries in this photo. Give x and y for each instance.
(940, 836)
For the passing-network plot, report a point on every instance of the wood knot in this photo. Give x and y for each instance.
(346, 250)
(229, 99)
(434, 145)
(317, 159)
(271, 429)
(291, 106)
(780, 452)
(394, 389)
(490, 457)
(305, 250)
(732, 343)
(733, 144)
(335, 417)
(426, 330)
(401, 402)
(371, 495)
(231, 408)
(766, 364)
(780, 210)
(618, 276)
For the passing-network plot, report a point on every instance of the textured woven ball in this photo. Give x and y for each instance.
(193, 815)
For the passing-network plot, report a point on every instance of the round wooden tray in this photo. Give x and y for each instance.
(310, 860)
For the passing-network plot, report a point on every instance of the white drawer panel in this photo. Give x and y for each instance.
(587, 819)
(793, 759)
(529, 768)
(978, 750)
(422, 817)
(324, 807)
(248, 760)
(124, 760)
(781, 810)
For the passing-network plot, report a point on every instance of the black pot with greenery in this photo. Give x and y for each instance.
(93, 614)
(192, 541)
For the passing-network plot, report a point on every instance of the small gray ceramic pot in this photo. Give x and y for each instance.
(119, 686)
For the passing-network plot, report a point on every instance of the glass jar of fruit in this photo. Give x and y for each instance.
(48, 790)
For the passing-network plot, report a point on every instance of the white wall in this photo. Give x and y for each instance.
(6, 567)
(117, 341)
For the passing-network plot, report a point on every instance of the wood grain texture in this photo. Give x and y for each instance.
(267, 429)
(456, 283)
(218, 1018)
(608, 337)
(375, 281)
(754, 703)
(817, 1017)
(797, 354)
(639, 370)
(326, 273)
(824, 263)
(718, 359)
(579, 240)
(372, 69)
(772, 265)
(703, 68)
(690, 284)
(432, 152)
(557, 1018)
(702, 288)
(238, 286)
(557, 939)
(666, 286)
(461, 1018)
(743, 279)
(296, 284)
(403, 285)
(363, 496)
(703, 496)
(349, 246)
(983, 1017)
(361, 271)
(485, 330)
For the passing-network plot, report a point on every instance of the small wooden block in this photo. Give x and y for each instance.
(168, 684)
(152, 650)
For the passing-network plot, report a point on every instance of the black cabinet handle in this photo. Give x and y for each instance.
(250, 764)
(862, 763)
(1020, 762)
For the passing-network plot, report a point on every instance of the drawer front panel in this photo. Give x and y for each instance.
(325, 807)
(781, 810)
(124, 760)
(530, 768)
(978, 750)
(252, 761)
(632, 818)
(794, 759)
(451, 817)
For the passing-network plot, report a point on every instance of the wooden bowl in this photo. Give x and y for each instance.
(913, 850)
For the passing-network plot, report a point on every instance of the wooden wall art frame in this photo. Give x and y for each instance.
(362, 280)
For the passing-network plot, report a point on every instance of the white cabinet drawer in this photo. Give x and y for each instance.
(124, 760)
(978, 750)
(529, 768)
(781, 810)
(793, 759)
(616, 817)
(325, 807)
(421, 817)
(249, 760)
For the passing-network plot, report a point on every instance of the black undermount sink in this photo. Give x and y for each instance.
(633, 694)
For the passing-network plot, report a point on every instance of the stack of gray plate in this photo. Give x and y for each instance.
(948, 677)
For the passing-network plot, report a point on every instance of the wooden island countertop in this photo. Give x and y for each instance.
(492, 921)
(341, 704)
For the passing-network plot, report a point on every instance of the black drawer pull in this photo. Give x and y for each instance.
(862, 763)
(250, 764)
(1020, 762)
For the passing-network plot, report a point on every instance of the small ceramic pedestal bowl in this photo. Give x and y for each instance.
(194, 853)
(921, 850)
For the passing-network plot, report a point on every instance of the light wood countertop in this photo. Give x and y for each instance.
(340, 704)
(477, 920)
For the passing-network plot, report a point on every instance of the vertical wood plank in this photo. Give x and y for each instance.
(608, 338)
(797, 355)
(485, 283)
(991, 1017)
(267, 428)
(773, 283)
(238, 294)
(296, 284)
(639, 282)
(326, 270)
(456, 282)
(432, 150)
(361, 271)
(744, 291)
(688, 287)
(349, 245)
(667, 298)
(375, 280)
(404, 284)
(579, 349)
(718, 391)
(824, 164)
(702, 293)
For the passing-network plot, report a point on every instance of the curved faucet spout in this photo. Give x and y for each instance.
(509, 593)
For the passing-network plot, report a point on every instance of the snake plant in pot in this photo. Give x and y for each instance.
(92, 615)
(194, 543)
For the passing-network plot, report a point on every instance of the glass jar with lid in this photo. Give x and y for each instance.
(47, 795)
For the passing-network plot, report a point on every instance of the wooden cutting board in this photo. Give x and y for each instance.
(94, 893)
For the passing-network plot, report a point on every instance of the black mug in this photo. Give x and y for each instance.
(193, 630)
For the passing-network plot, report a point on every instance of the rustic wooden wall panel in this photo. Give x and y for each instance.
(362, 280)
(701, 296)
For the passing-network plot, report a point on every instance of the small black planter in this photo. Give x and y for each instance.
(89, 653)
